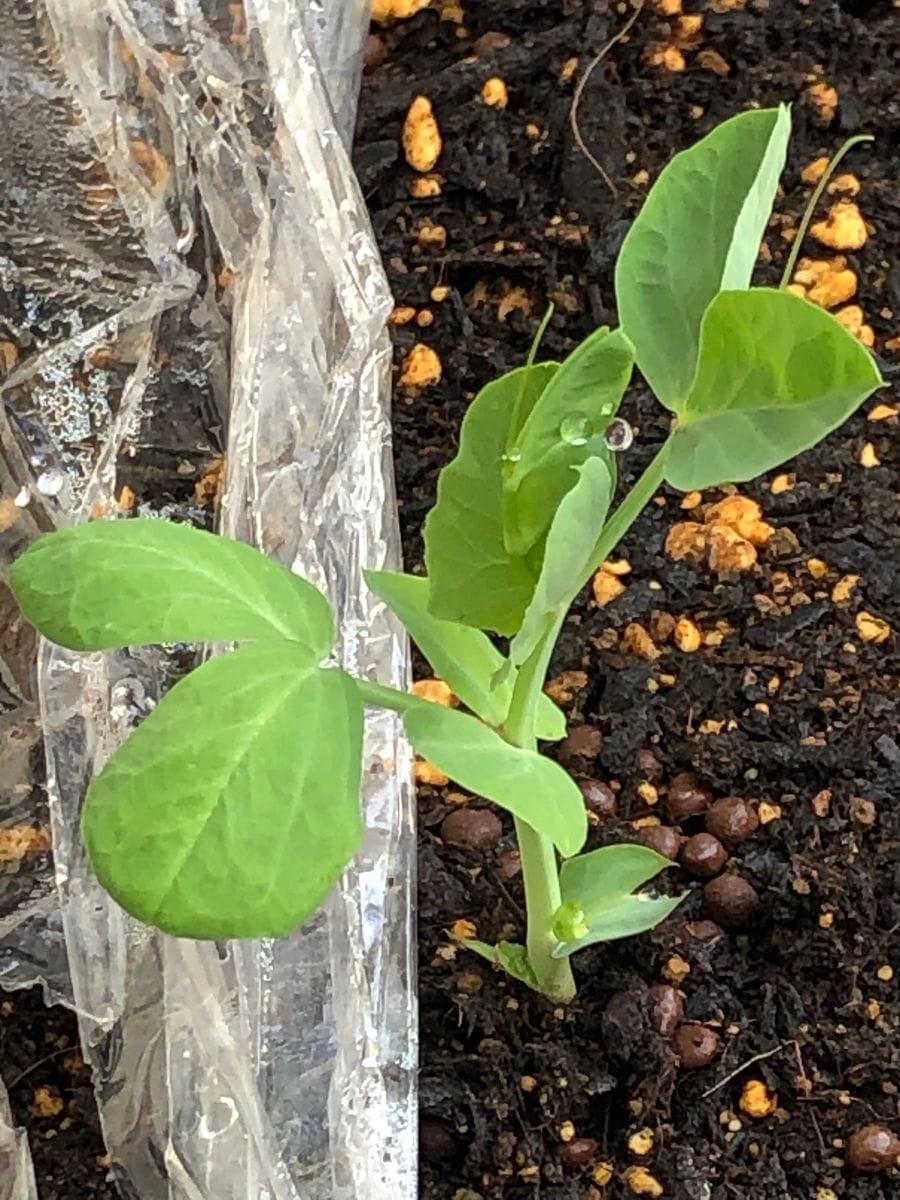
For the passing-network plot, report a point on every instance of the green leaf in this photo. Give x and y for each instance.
(776, 373)
(126, 583)
(511, 956)
(233, 808)
(629, 916)
(599, 886)
(463, 657)
(698, 233)
(594, 881)
(569, 554)
(474, 579)
(521, 781)
(565, 428)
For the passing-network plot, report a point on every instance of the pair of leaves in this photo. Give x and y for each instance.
(471, 752)
(484, 539)
(600, 889)
(599, 904)
(463, 657)
(231, 810)
(753, 376)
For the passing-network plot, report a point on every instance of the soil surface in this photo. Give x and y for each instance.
(785, 705)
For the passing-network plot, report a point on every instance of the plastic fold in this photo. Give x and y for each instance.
(186, 246)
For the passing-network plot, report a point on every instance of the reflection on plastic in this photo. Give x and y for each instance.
(200, 228)
(16, 1173)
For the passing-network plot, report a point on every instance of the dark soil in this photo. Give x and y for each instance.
(51, 1094)
(799, 704)
(529, 219)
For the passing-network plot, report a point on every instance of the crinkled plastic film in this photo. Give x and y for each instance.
(246, 1071)
(16, 1172)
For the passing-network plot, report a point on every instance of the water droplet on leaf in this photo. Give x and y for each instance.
(619, 435)
(512, 456)
(575, 430)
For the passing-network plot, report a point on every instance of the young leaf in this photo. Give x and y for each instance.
(565, 428)
(569, 554)
(511, 956)
(596, 880)
(232, 809)
(628, 916)
(776, 373)
(463, 657)
(523, 782)
(598, 888)
(126, 583)
(474, 579)
(698, 233)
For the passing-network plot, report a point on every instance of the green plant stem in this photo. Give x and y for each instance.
(540, 870)
(813, 202)
(632, 506)
(378, 695)
(539, 867)
(516, 418)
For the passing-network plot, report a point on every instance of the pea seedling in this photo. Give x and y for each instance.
(234, 806)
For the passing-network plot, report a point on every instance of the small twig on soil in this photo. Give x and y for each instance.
(806, 1084)
(579, 91)
(517, 909)
(40, 1062)
(743, 1067)
(815, 1125)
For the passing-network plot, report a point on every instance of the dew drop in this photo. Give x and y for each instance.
(511, 456)
(575, 430)
(619, 435)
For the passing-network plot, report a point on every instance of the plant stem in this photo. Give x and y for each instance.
(378, 695)
(632, 506)
(814, 200)
(540, 871)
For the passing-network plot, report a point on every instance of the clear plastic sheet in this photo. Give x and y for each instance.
(207, 144)
(16, 1172)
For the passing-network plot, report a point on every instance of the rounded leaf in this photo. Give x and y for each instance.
(775, 375)
(127, 583)
(232, 809)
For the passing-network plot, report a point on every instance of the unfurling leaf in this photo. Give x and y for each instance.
(600, 886)
(474, 578)
(511, 956)
(569, 554)
(565, 429)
